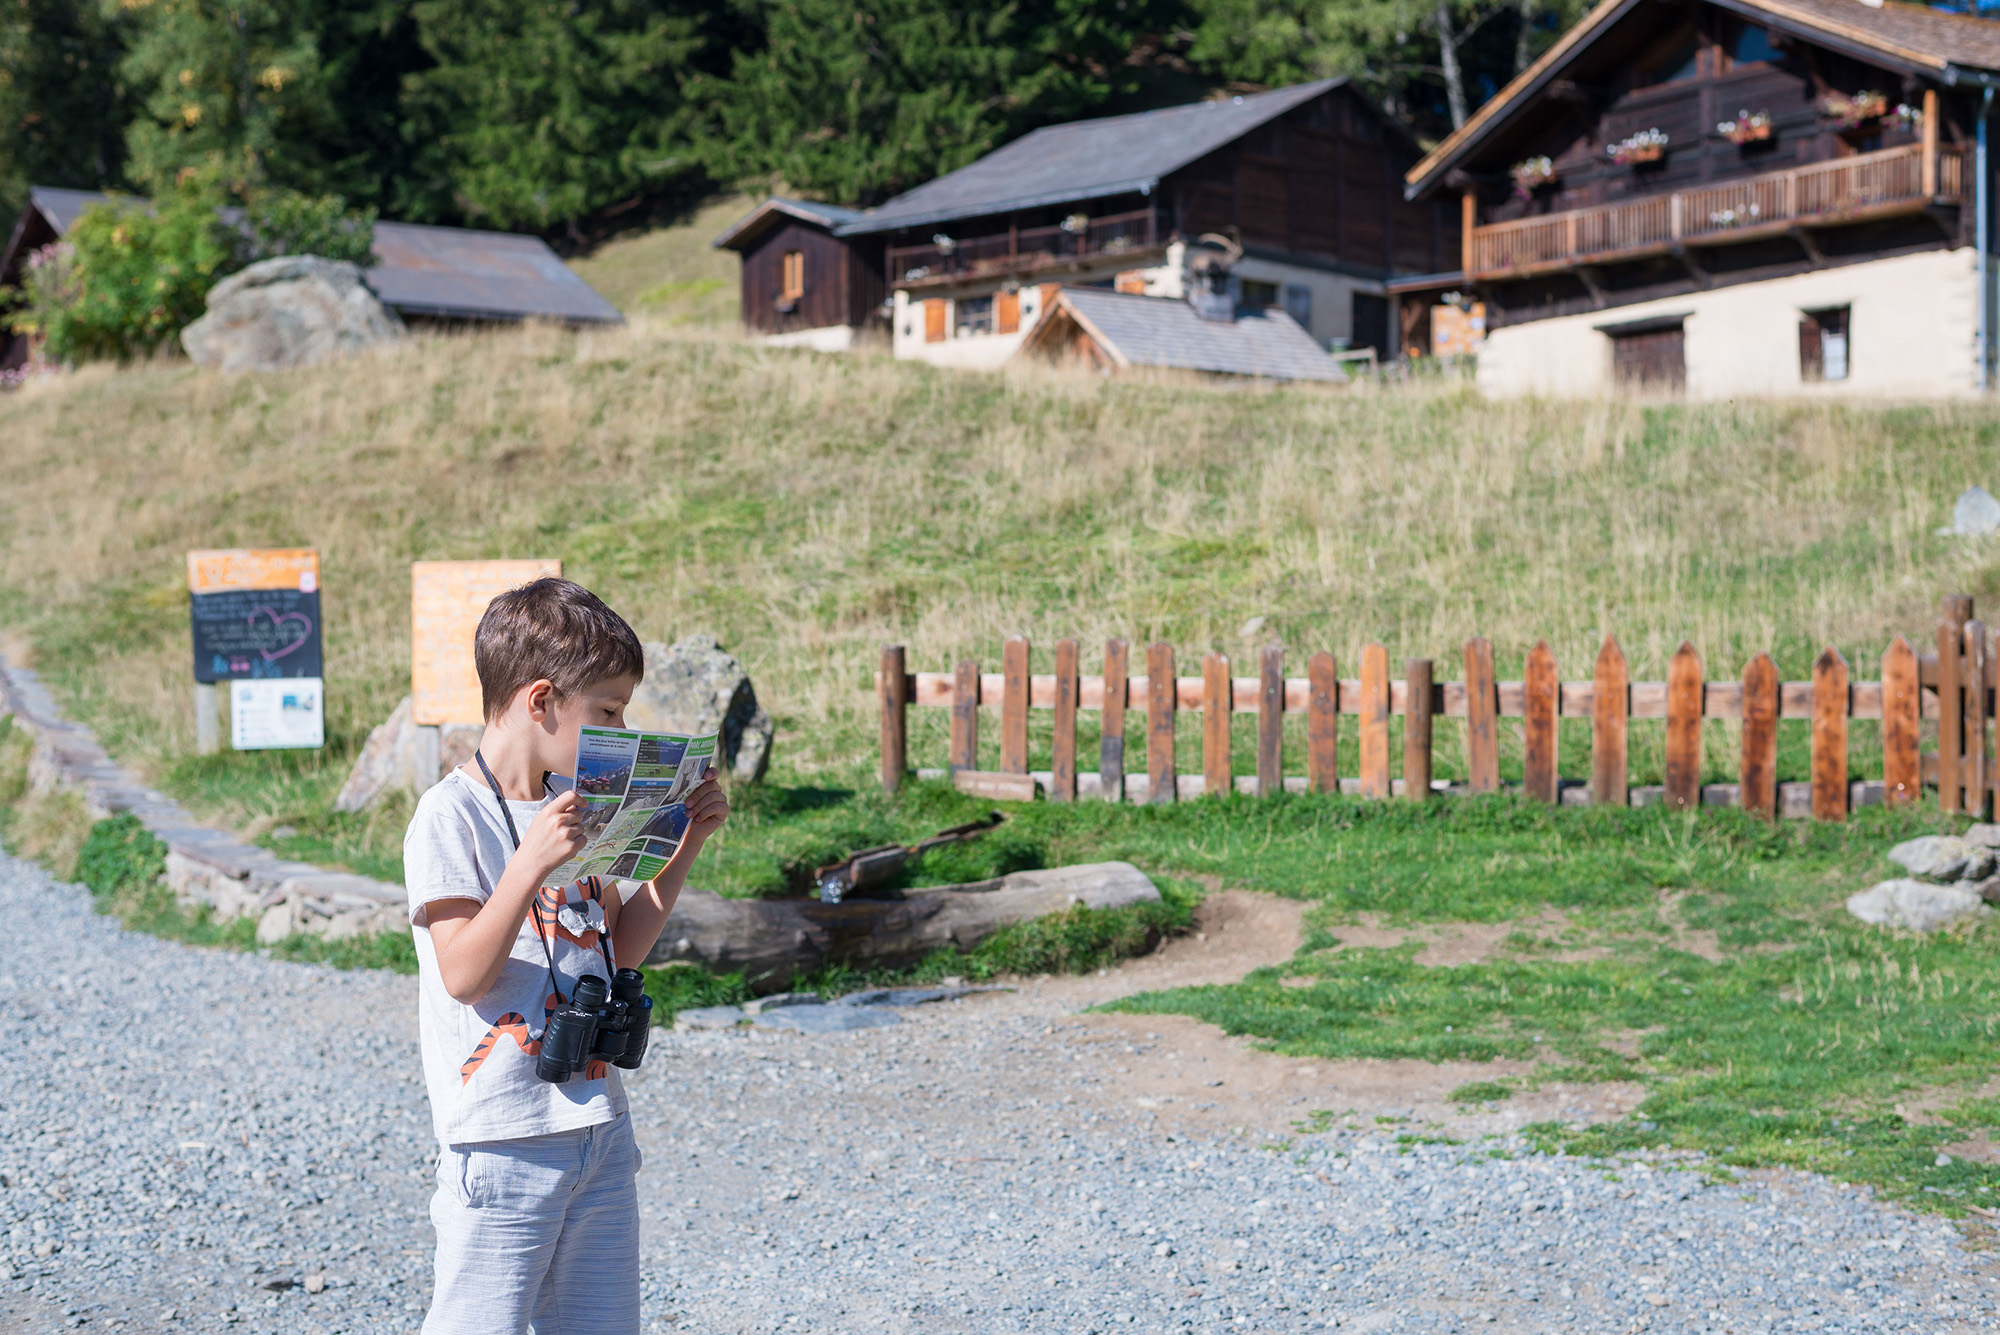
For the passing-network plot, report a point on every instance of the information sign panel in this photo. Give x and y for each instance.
(266, 715)
(255, 614)
(447, 598)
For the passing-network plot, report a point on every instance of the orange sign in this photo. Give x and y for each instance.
(447, 598)
(1458, 331)
(236, 568)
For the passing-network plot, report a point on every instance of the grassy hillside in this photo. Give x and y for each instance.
(673, 274)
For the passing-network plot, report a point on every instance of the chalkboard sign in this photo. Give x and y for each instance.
(255, 614)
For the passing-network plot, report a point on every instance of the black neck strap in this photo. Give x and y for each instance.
(507, 814)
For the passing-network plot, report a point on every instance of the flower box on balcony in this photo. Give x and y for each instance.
(1848, 112)
(1749, 127)
(1531, 175)
(1645, 146)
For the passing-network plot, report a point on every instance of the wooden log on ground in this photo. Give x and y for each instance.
(770, 941)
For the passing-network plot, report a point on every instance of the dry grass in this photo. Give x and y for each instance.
(806, 509)
(674, 274)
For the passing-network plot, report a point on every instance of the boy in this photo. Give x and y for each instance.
(537, 1211)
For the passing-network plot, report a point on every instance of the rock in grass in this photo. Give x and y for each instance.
(1943, 857)
(1984, 836)
(1975, 514)
(1916, 905)
(295, 310)
(827, 1019)
(697, 686)
(709, 1017)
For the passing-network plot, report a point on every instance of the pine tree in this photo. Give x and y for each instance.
(859, 99)
(63, 106)
(536, 112)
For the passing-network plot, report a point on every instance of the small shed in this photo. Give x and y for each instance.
(801, 283)
(1116, 330)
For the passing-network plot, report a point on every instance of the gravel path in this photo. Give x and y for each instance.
(193, 1140)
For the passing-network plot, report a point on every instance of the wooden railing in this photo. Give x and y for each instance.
(1863, 186)
(1023, 250)
(1955, 686)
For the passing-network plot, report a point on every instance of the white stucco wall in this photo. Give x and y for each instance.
(1332, 293)
(975, 352)
(1912, 327)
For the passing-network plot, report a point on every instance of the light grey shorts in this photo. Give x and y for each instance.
(538, 1234)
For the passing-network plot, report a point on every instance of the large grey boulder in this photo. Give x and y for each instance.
(1975, 514)
(697, 686)
(1916, 905)
(295, 310)
(1943, 857)
(1985, 836)
(390, 757)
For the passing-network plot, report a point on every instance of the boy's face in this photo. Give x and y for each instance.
(601, 705)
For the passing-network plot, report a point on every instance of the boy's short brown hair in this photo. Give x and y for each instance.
(551, 628)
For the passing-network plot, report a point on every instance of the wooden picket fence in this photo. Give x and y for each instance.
(1961, 673)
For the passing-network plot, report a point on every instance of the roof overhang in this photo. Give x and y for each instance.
(772, 213)
(1518, 96)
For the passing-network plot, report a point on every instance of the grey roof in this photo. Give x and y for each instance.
(1162, 331)
(458, 273)
(446, 272)
(766, 215)
(1114, 155)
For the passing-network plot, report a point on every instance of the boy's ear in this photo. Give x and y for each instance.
(540, 699)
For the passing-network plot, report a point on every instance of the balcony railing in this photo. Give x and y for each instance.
(1023, 250)
(1868, 185)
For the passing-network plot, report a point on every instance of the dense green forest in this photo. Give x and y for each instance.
(575, 117)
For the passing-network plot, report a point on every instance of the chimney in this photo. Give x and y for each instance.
(1209, 260)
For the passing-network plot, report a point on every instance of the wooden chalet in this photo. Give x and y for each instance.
(1730, 197)
(801, 284)
(1305, 181)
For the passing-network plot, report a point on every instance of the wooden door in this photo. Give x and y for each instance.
(1653, 360)
(934, 312)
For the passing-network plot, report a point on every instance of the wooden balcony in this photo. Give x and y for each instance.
(1023, 250)
(1869, 185)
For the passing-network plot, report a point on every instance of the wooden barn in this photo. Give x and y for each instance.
(1306, 181)
(801, 283)
(1726, 197)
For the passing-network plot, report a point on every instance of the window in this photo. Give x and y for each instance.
(1649, 355)
(1299, 304)
(1254, 295)
(794, 276)
(1749, 44)
(975, 316)
(1823, 345)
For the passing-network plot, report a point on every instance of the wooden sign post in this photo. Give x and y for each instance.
(256, 625)
(447, 598)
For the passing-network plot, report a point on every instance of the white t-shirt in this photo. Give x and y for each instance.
(479, 1060)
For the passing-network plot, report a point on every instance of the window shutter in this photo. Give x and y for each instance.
(1006, 312)
(934, 320)
(1812, 358)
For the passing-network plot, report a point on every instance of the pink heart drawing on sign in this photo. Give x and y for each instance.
(278, 620)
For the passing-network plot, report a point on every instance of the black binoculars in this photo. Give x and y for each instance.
(600, 1023)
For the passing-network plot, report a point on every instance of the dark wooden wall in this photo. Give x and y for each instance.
(1601, 107)
(835, 294)
(1324, 180)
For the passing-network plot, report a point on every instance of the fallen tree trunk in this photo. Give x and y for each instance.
(771, 940)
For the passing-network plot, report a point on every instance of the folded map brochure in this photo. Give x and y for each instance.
(635, 787)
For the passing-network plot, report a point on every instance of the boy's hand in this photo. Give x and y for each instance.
(555, 835)
(707, 808)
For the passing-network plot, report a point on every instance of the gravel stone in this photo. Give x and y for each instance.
(197, 1140)
(710, 1017)
(1917, 905)
(827, 1019)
